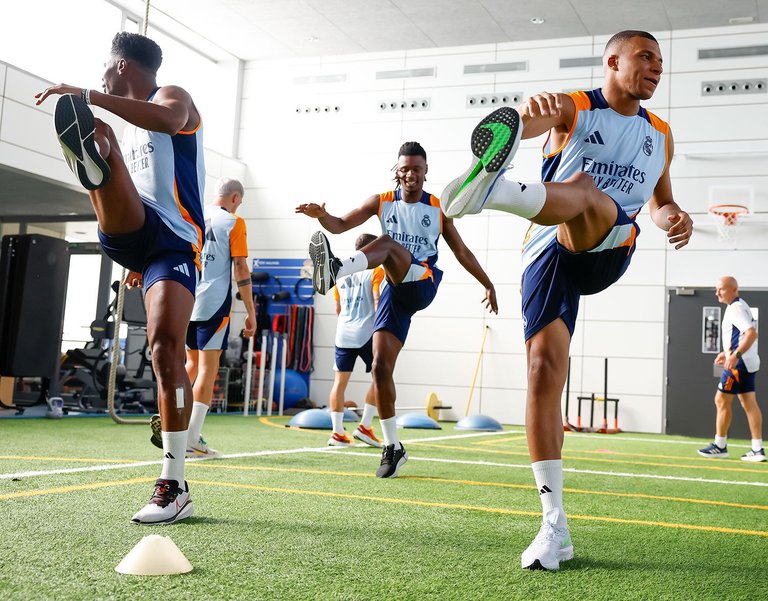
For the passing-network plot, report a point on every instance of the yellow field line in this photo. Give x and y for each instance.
(501, 510)
(500, 441)
(319, 493)
(73, 488)
(72, 459)
(595, 459)
(209, 464)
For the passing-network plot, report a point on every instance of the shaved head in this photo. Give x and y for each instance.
(619, 39)
(728, 281)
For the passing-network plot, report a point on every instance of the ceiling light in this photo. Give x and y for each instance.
(537, 20)
(313, 38)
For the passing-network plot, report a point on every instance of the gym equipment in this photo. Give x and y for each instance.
(154, 555)
(432, 407)
(416, 420)
(482, 423)
(592, 398)
(295, 388)
(477, 369)
(314, 419)
(33, 284)
(248, 373)
(349, 415)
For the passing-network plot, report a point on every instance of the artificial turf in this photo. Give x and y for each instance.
(649, 518)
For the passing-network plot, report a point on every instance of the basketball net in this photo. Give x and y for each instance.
(727, 219)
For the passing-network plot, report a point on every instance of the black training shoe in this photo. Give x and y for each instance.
(156, 426)
(326, 265)
(391, 461)
(494, 143)
(76, 130)
(168, 504)
(714, 451)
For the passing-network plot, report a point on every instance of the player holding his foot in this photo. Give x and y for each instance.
(226, 246)
(411, 222)
(357, 296)
(147, 198)
(605, 157)
(740, 363)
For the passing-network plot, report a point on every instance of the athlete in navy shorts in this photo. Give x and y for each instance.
(147, 197)
(413, 223)
(605, 157)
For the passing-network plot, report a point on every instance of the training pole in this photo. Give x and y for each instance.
(272, 369)
(248, 376)
(262, 367)
(477, 369)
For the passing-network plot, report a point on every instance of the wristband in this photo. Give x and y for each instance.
(86, 95)
(738, 354)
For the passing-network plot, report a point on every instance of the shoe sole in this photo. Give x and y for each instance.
(562, 555)
(455, 198)
(400, 464)
(211, 454)
(76, 130)
(156, 426)
(186, 511)
(757, 459)
(336, 443)
(717, 456)
(367, 440)
(320, 253)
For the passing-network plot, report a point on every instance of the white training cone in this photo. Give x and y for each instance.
(154, 555)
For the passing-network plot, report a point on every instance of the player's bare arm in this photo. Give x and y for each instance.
(338, 225)
(170, 112)
(665, 212)
(469, 262)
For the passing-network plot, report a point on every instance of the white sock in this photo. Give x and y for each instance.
(389, 429)
(721, 441)
(369, 412)
(337, 420)
(355, 263)
(174, 451)
(525, 200)
(199, 411)
(757, 444)
(549, 482)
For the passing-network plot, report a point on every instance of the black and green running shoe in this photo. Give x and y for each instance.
(494, 143)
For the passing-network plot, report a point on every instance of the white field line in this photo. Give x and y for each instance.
(653, 440)
(565, 469)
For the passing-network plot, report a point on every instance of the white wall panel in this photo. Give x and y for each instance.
(343, 158)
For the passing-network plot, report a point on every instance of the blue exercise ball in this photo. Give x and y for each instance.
(295, 388)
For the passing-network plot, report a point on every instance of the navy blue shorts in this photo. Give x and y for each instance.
(346, 357)
(397, 304)
(155, 252)
(555, 281)
(736, 381)
(210, 335)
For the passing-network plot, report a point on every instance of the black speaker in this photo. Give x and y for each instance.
(33, 287)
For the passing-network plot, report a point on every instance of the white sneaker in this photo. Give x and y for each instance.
(754, 456)
(551, 545)
(494, 143)
(201, 449)
(168, 504)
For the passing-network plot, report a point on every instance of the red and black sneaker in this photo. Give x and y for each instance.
(168, 504)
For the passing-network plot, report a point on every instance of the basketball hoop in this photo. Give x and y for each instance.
(726, 218)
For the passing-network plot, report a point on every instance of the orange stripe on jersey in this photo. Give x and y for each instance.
(378, 278)
(188, 218)
(385, 197)
(223, 324)
(581, 103)
(434, 201)
(630, 240)
(663, 127)
(427, 274)
(238, 239)
(336, 294)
